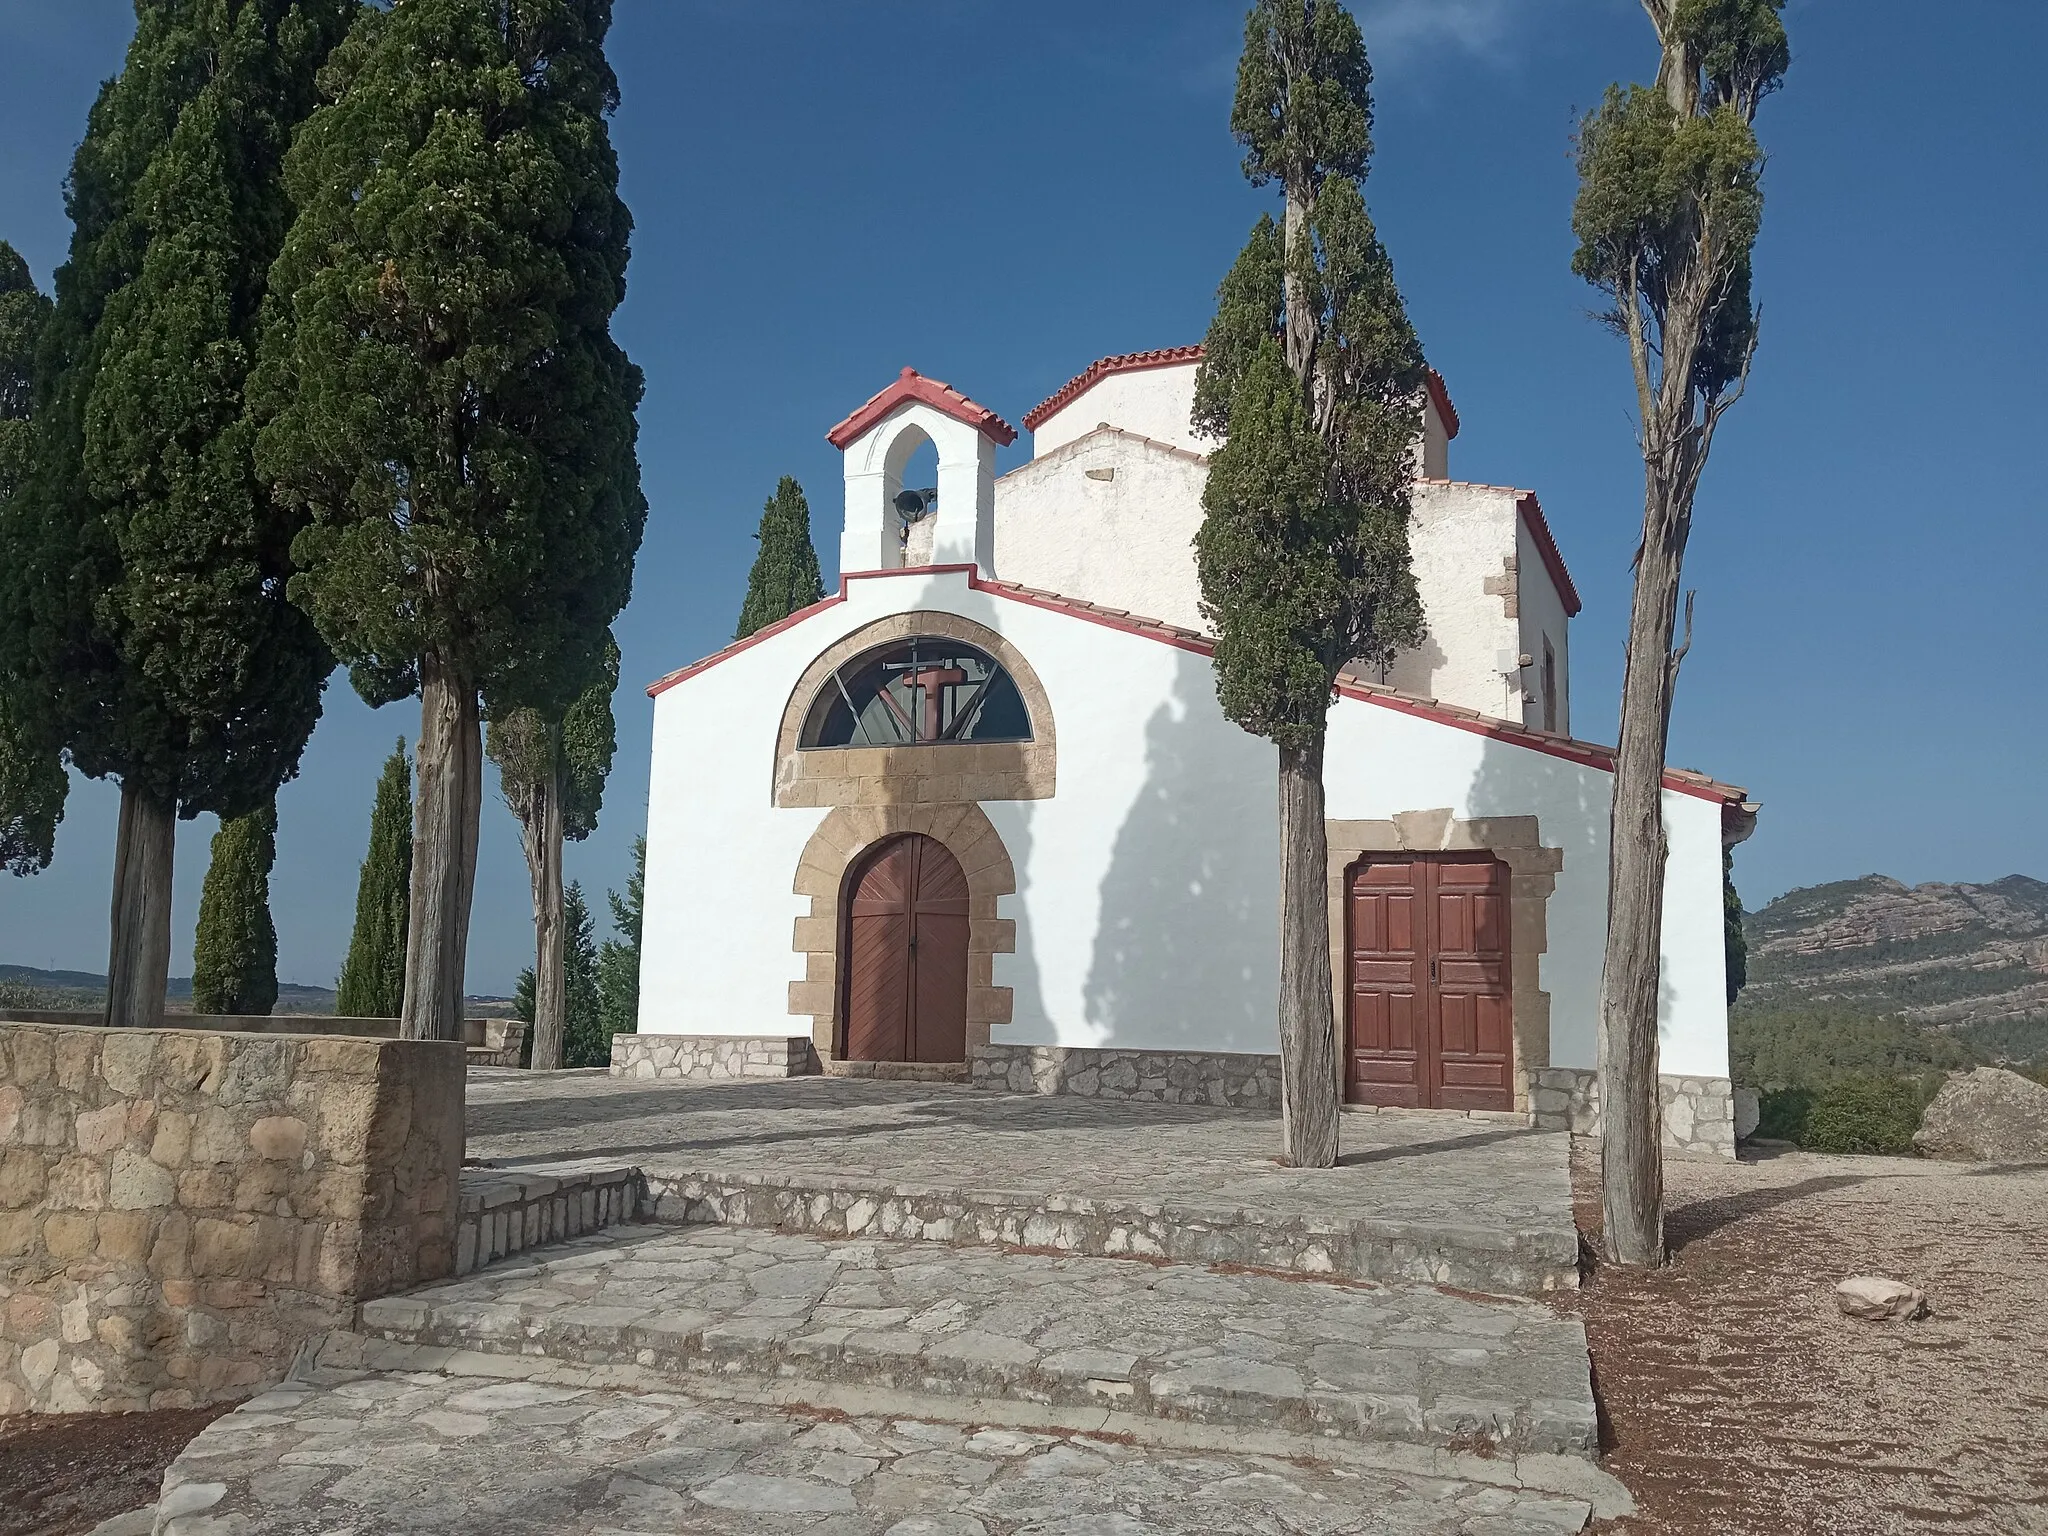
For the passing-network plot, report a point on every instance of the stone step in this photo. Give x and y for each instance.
(528, 1447)
(1530, 1260)
(1062, 1333)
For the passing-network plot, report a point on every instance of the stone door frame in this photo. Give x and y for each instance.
(823, 871)
(1517, 842)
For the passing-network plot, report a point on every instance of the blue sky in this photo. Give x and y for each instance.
(997, 194)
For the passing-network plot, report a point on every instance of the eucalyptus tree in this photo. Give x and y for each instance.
(785, 576)
(444, 401)
(145, 626)
(552, 775)
(1669, 205)
(33, 783)
(1313, 378)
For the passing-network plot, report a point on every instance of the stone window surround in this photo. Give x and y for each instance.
(828, 860)
(944, 773)
(1516, 841)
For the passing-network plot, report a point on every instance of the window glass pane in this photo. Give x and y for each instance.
(918, 692)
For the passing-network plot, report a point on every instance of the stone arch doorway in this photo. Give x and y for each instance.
(905, 972)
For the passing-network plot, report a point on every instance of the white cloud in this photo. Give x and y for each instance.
(1399, 27)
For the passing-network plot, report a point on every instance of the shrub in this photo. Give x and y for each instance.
(1781, 1114)
(1865, 1114)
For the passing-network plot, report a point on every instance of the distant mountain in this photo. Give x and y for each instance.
(84, 989)
(1944, 955)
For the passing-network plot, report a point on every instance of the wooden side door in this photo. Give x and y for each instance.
(1430, 1022)
(905, 947)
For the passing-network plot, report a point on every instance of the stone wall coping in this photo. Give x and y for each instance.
(307, 1026)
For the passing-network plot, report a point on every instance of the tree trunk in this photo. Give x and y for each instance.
(450, 761)
(541, 824)
(1308, 1034)
(139, 956)
(1631, 1142)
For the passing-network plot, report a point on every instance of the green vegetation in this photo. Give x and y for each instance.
(33, 784)
(1818, 1047)
(1865, 1114)
(1835, 1079)
(372, 984)
(785, 576)
(618, 962)
(234, 958)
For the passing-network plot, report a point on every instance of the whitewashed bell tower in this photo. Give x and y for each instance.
(878, 440)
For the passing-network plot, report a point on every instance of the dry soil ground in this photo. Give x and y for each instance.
(1739, 1402)
(65, 1473)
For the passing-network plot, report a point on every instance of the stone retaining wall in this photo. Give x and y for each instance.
(179, 1210)
(503, 1213)
(1699, 1112)
(1240, 1080)
(711, 1058)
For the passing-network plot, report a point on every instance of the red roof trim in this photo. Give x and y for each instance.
(1102, 368)
(1440, 392)
(682, 674)
(1546, 546)
(1682, 780)
(910, 385)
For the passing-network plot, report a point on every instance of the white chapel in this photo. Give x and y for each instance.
(978, 816)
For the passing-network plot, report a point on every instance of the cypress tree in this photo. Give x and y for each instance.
(552, 776)
(234, 957)
(618, 961)
(785, 576)
(146, 613)
(445, 403)
(372, 984)
(1314, 378)
(33, 783)
(1669, 207)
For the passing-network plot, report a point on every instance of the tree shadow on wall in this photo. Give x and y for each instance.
(1186, 941)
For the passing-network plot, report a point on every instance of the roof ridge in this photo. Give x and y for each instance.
(1102, 367)
(910, 385)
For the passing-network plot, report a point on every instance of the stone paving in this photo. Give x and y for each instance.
(351, 1454)
(1081, 1336)
(1417, 1197)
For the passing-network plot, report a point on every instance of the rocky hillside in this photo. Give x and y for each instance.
(1943, 955)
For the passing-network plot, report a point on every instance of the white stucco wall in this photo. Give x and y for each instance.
(1542, 618)
(1147, 893)
(1460, 538)
(1152, 402)
(1126, 541)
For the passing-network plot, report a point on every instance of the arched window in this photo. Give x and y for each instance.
(919, 692)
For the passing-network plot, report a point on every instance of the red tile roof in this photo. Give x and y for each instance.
(912, 385)
(1349, 685)
(1166, 357)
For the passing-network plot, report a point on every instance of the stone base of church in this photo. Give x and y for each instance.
(711, 1058)
(1240, 1080)
(1699, 1112)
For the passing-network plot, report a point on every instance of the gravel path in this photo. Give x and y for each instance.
(1741, 1403)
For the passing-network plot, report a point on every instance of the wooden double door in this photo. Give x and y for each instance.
(904, 975)
(1430, 1021)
